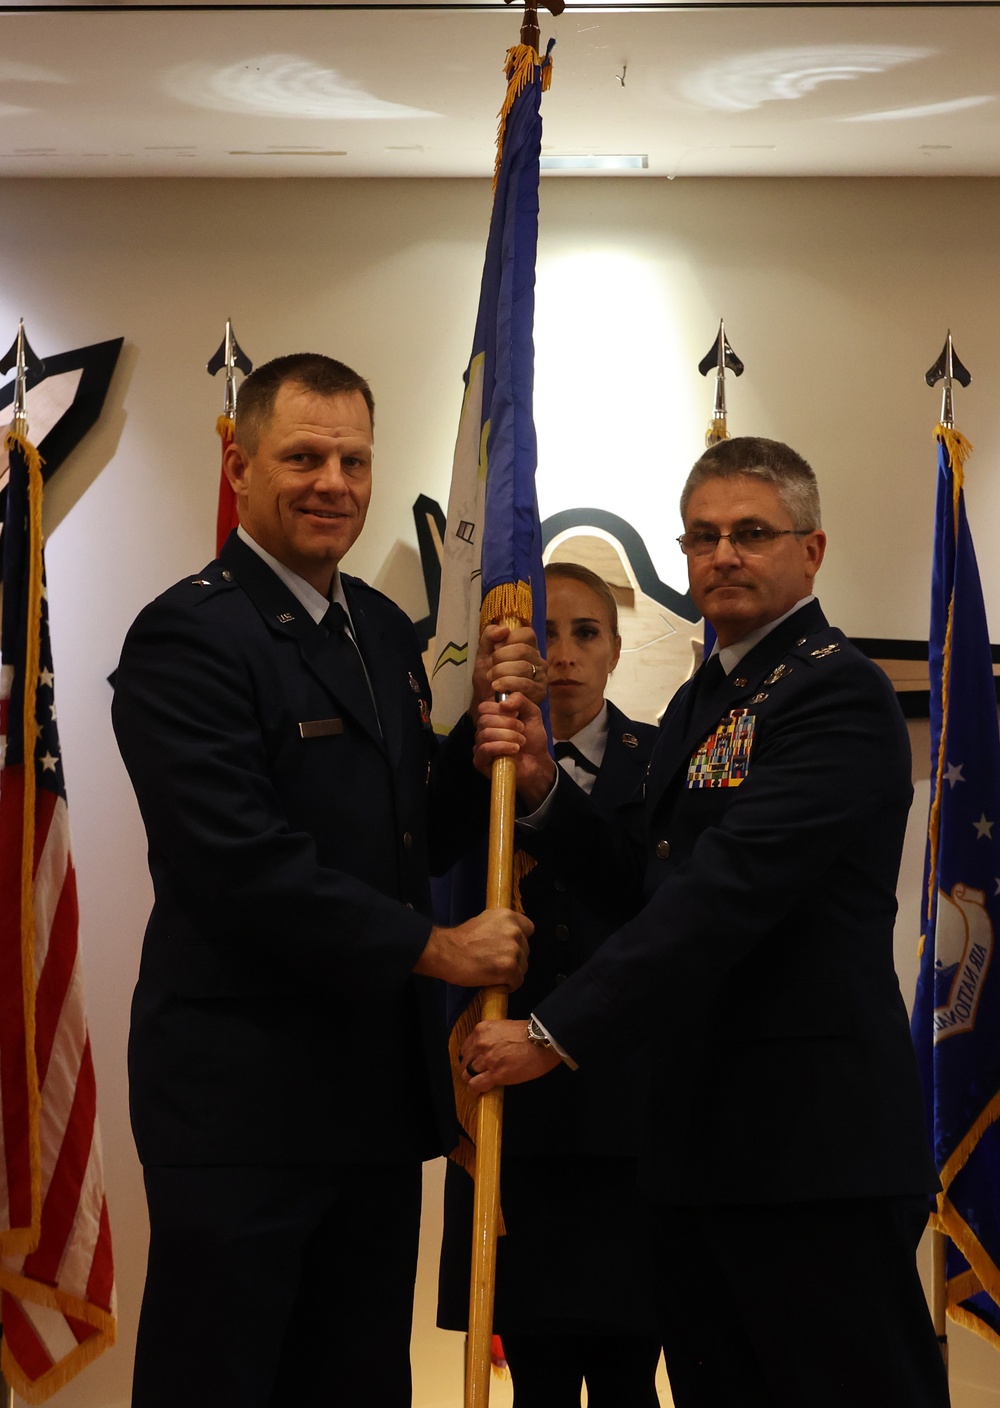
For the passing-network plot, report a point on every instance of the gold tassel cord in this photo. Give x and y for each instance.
(509, 600)
(520, 64)
(225, 428)
(716, 432)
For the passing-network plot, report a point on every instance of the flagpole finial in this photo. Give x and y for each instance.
(719, 358)
(229, 356)
(20, 356)
(948, 369)
(530, 33)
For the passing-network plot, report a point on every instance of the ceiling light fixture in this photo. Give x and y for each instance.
(592, 162)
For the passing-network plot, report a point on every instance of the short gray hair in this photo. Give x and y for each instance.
(769, 460)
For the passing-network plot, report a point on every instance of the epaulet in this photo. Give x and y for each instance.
(821, 645)
(203, 585)
(359, 588)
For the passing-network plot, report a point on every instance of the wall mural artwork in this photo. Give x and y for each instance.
(64, 397)
(660, 627)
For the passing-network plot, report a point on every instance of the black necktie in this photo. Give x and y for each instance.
(350, 661)
(710, 674)
(707, 679)
(570, 750)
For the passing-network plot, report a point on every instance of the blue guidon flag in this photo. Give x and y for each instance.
(492, 558)
(956, 1015)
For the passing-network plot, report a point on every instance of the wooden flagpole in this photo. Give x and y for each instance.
(489, 1126)
(499, 895)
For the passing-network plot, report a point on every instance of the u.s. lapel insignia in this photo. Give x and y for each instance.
(824, 651)
(630, 740)
(284, 617)
(724, 758)
(741, 683)
(778, 674)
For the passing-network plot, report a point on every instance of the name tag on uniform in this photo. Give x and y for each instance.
(724, 758)
(320, 728)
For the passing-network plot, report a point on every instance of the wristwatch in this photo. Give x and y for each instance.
(536, 1034)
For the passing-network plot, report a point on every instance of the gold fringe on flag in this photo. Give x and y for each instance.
(519, 64)
(23, 1240)
(509, 601)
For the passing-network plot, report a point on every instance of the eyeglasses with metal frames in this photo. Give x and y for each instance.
(742, 540)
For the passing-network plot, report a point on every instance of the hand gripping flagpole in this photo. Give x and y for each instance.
(719, 358)
(947, 369)
(489, 1123)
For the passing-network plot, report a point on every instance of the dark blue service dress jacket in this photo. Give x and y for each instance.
(758, 962)
(574, 1256)
(276, 1018)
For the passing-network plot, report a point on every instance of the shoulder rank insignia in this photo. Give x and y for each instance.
(824, 651)
(724, 758)
(200, 582)
(778, 674)
(630, 740)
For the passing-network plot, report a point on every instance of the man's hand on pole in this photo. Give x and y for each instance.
(508, 660)
(489, 950)
(514, 727)
(499, 1053)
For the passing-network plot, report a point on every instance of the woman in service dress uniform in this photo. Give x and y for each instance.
(572, 1302)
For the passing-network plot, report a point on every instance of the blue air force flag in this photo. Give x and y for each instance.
(492, 560)
(956, 1016)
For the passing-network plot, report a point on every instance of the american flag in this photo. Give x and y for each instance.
(57, 1298)
(227, 517)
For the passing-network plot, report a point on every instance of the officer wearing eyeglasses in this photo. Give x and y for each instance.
(786, 1161)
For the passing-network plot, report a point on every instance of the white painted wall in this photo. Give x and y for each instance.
(836, 294)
